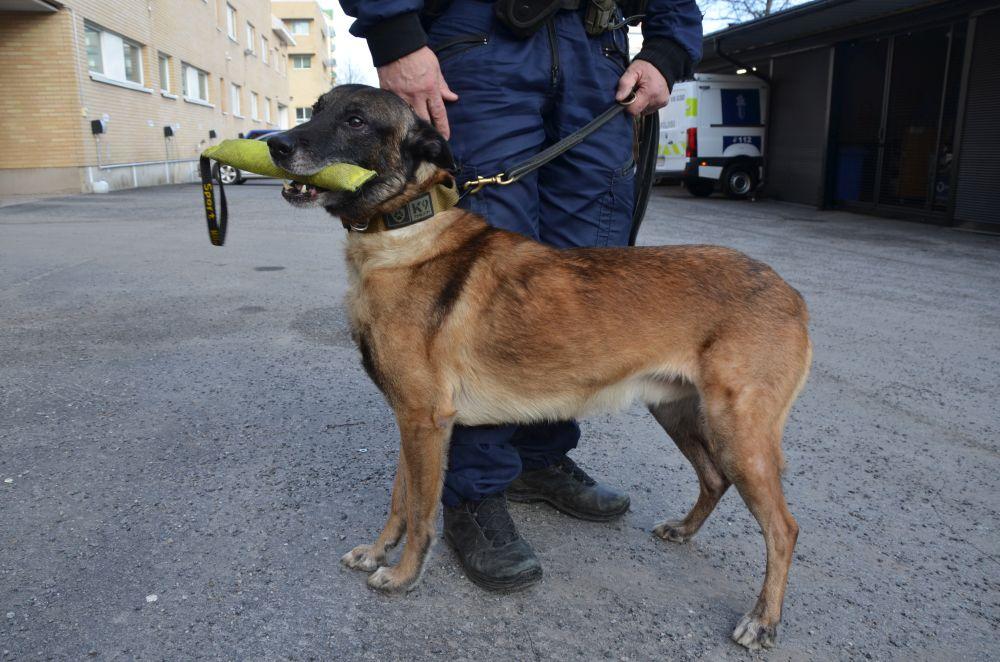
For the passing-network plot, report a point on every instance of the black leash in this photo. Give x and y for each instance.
(217, 217)
(648, 134)
(551, 152)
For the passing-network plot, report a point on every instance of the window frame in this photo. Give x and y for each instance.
(114, 66)
(235, 105)
(163, 67)
(87, 30)
(267, 110)
(251, 38)
(201, 76)
(231, 22)
(306, 110)
(264, 46)
(308, 59)
(254, 106)
(292, 22)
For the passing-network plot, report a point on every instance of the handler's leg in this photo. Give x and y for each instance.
(502, 85)
(585, 199)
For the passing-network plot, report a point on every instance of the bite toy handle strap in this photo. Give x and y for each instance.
(217, 216)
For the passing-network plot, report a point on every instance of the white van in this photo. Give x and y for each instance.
(713, 131)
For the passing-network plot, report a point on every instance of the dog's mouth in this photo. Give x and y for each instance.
(302, 195)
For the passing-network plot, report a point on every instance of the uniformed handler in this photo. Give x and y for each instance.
(503, 80)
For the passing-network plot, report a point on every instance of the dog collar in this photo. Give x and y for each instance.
(435, 200)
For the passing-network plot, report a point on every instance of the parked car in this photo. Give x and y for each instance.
(227, 174)
(712, 131)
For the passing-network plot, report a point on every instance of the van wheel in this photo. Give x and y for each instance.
(739, 180)
(700, 188)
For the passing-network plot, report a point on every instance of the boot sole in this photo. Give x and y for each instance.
(515, 584)
(535, 497)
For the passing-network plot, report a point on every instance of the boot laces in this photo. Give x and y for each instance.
(569, 467)
(493, 518)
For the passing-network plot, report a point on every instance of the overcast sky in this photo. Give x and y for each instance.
(354, 61)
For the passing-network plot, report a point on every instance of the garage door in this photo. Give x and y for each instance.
(798, 127)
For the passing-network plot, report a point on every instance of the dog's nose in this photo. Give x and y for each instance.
(281, 145)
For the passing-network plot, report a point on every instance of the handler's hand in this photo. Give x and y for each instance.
(651, 89)
(417, 78)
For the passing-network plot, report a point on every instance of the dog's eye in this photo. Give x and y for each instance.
(355, 122)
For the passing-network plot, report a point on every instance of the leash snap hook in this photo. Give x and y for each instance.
(479, 183)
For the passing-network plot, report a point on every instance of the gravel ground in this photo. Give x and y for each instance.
(189, 444)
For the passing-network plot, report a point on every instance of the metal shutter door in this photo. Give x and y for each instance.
(978, 196)
(798, 127)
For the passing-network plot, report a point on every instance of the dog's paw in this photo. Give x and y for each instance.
(362, 558)
(753, 634)
(672, 531)
(390, 580)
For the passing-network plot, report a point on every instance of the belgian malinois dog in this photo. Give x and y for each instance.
(460, 322)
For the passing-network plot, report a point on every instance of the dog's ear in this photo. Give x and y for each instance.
(429, 145)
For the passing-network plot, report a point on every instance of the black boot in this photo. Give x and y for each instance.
(486, 541)
(569, 488)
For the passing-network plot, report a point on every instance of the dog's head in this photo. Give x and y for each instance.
(367, 127)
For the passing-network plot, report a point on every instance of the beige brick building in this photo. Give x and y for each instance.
(162, 76)
(311, 71)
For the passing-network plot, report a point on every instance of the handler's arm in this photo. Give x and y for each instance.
(671, 46)
(399, 50)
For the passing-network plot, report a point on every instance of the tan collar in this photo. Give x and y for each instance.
(435, 200)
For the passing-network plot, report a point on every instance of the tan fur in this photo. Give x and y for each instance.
(464, 324)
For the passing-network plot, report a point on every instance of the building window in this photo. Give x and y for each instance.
(302, 61)
(194, 83)
(234, 99)
(231, 22)
(297, 26)
(251, 37)
(164, 73)
(267, 110)
(253, 106)
(303, 115)
(282, 116)
(93, 39)
(263, 48)
(112, 56)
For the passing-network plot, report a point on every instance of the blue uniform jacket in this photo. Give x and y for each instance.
(671, 32)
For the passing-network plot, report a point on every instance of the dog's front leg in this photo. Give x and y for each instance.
(424, 443)
(370, 557)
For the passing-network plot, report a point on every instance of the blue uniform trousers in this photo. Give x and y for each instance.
(516, 97)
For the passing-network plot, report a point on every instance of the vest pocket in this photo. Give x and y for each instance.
(455, 46)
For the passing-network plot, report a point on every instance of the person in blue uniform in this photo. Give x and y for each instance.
(501, 97)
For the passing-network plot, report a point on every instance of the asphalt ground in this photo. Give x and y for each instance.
(188, 444)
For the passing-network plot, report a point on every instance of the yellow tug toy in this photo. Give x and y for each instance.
(254, 156)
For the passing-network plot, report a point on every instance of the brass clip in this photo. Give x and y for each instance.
(480, 182)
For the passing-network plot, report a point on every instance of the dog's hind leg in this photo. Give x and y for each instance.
(682, 421)
(749, 454)
(370, 557)
(424, 445)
